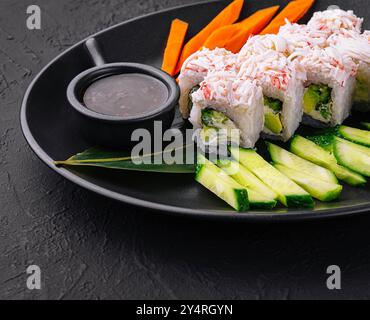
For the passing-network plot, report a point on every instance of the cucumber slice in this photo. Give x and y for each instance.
(366, 125)
(310, 151)
(319, 189)
(259, 201)
(289, 193)
(349, 176)
(355, 146)
(248, 180)
(290, 160)
(355, 135)
(256, 199)
(218, 182)
(351, 156)
(275, 105)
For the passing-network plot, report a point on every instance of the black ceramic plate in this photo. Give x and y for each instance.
(49, 125)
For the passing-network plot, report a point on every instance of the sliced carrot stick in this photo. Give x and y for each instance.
(294, 11)
(250, 26)
(174, 46)
(220, 37)
(226, 17)
(234, 36)
(307, 6)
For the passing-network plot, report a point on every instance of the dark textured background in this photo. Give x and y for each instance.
(89, 247)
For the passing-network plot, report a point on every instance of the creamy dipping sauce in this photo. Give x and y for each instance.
(126, 95)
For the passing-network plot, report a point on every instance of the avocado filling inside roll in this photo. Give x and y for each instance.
(317, 102)
(362, 91)
(190, 102)
(213, 121)
(273, 108)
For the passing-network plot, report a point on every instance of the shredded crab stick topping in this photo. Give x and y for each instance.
(353, 45)
(227, 88)
(335, 20)
(323, 26)
(272, 68)
(264, 58)
(328, 62)
(260, 44)
(366, 35)
(302, 36)
(204, 60)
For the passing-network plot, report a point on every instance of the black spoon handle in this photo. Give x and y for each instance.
(95, 52)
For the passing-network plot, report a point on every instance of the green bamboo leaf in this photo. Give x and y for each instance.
(97, 157)
(130, 166)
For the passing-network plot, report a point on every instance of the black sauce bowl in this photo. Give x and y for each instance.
(114, 131)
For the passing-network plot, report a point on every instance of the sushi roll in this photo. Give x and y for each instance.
(357, 47)
(329, 87)
(281, 80)
(196, 68)
(339, 29)
(226, 102)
